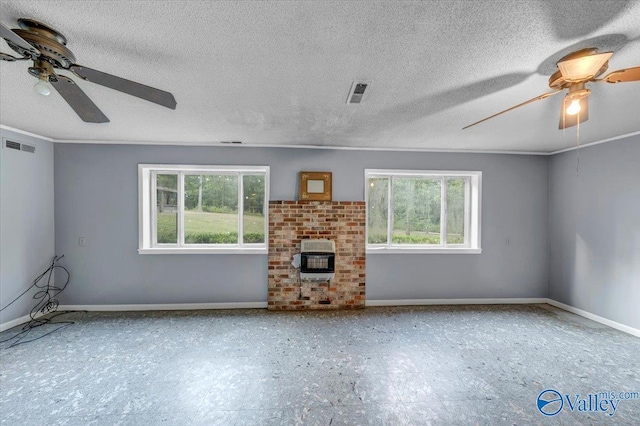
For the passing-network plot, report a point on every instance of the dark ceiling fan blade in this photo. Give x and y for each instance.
(9, 58)
(569, 120)
(78, 100)
(14, 38)
(147, 93)
(537, 98)
(623, 76)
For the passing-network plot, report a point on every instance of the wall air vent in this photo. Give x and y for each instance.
(232, 142)
(29, 148)
(357, 92)
(19, 147)
(12, 145)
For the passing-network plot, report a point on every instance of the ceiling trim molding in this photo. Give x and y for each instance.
(339, 148)
(615, 138)
(368, 148)
(25, 133)
(329, 147)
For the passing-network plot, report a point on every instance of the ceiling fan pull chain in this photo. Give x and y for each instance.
(578, 146)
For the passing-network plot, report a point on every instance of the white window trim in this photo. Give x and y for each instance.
(146, 210)
(473, 213)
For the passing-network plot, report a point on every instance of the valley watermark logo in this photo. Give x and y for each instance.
(551, 402)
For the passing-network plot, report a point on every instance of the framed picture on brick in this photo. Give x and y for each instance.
(315, 186)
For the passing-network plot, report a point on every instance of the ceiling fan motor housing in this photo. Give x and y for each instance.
(48, 41)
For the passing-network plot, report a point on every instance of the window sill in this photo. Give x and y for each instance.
(203, 250)
(422, 250)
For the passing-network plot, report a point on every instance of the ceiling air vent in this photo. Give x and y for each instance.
(12, 145)
(29, 148)
(357, 92)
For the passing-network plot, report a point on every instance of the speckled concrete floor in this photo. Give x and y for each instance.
(394, 366)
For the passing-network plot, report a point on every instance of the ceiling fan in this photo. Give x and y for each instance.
(574, 72)
(47, 49)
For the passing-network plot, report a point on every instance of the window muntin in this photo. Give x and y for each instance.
(203, 208)
(423, 210)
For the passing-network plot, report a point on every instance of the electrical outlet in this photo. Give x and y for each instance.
(82, 241)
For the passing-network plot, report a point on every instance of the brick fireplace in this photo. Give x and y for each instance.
(340, 221)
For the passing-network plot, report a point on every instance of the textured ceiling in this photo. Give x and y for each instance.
(279, 73)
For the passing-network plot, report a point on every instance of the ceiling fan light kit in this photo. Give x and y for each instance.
(583, 67)
(46, 47)
(575, 70)
(575, 99)
(41, 88)
(574, 107)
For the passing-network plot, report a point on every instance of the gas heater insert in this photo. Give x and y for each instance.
(317, 260)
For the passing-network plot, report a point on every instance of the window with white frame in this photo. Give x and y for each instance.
(423, 211)
(203, 209)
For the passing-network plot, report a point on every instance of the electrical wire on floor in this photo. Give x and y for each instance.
(46, 304)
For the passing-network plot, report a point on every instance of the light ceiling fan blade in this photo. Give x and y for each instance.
(141, 91)
(10, 36)
(537, 98)
(78, 100)
(623, 76)
(570, 120)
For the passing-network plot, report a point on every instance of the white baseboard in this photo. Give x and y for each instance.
(494, 301)
(141, 307)
(164, 307)
(508, 301)
(10, 324)
(594, 317)
(18, 321)
(397, 302)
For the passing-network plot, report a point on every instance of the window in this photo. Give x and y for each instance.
(423, 211)
(203, 209)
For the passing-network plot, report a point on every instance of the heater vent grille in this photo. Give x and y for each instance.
(318, 246)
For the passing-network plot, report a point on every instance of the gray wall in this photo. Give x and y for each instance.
(592, 260)
(595, 230)
(26, 221)
(97, 198)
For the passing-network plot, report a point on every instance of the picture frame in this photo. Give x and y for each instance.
(315, 186)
